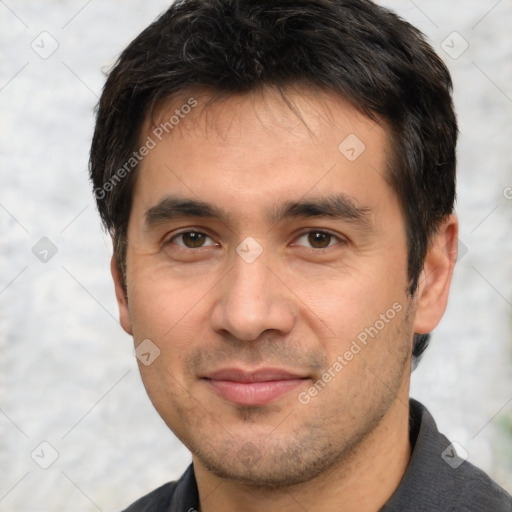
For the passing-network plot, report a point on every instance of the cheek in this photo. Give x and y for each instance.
(161, 302)
(350, 301)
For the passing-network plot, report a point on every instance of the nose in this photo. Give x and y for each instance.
(251, 300)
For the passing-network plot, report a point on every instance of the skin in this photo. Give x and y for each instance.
(297, 307)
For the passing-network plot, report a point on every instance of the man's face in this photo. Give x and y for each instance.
(295, 275)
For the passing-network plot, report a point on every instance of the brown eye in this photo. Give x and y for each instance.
(191, 239)
(317, 239)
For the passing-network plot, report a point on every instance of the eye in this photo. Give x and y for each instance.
(191, 239)
(318, 239)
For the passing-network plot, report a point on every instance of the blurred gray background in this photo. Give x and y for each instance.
(68, 377)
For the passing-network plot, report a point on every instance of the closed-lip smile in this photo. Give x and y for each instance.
(253, 387)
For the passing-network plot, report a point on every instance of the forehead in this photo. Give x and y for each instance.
(260, 148)
(298, 109)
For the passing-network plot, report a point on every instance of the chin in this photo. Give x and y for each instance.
(266, 467)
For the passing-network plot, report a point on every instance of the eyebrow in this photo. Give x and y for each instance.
(174, 207)
(338, 206)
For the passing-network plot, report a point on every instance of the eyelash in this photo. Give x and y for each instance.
(302, 234)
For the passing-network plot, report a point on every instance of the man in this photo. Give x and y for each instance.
(278, 178)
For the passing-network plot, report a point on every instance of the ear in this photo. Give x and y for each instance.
(122, 301)
(436, 276)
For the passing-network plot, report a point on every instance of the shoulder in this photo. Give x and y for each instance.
(459, 484)
(439, 479)
(474, 490)
(158, 500)
(170, 497)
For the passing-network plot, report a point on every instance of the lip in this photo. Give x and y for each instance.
(253, 388)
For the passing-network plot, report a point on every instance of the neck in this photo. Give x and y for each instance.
(361, 482)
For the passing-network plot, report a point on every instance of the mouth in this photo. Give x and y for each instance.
(253, 388)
